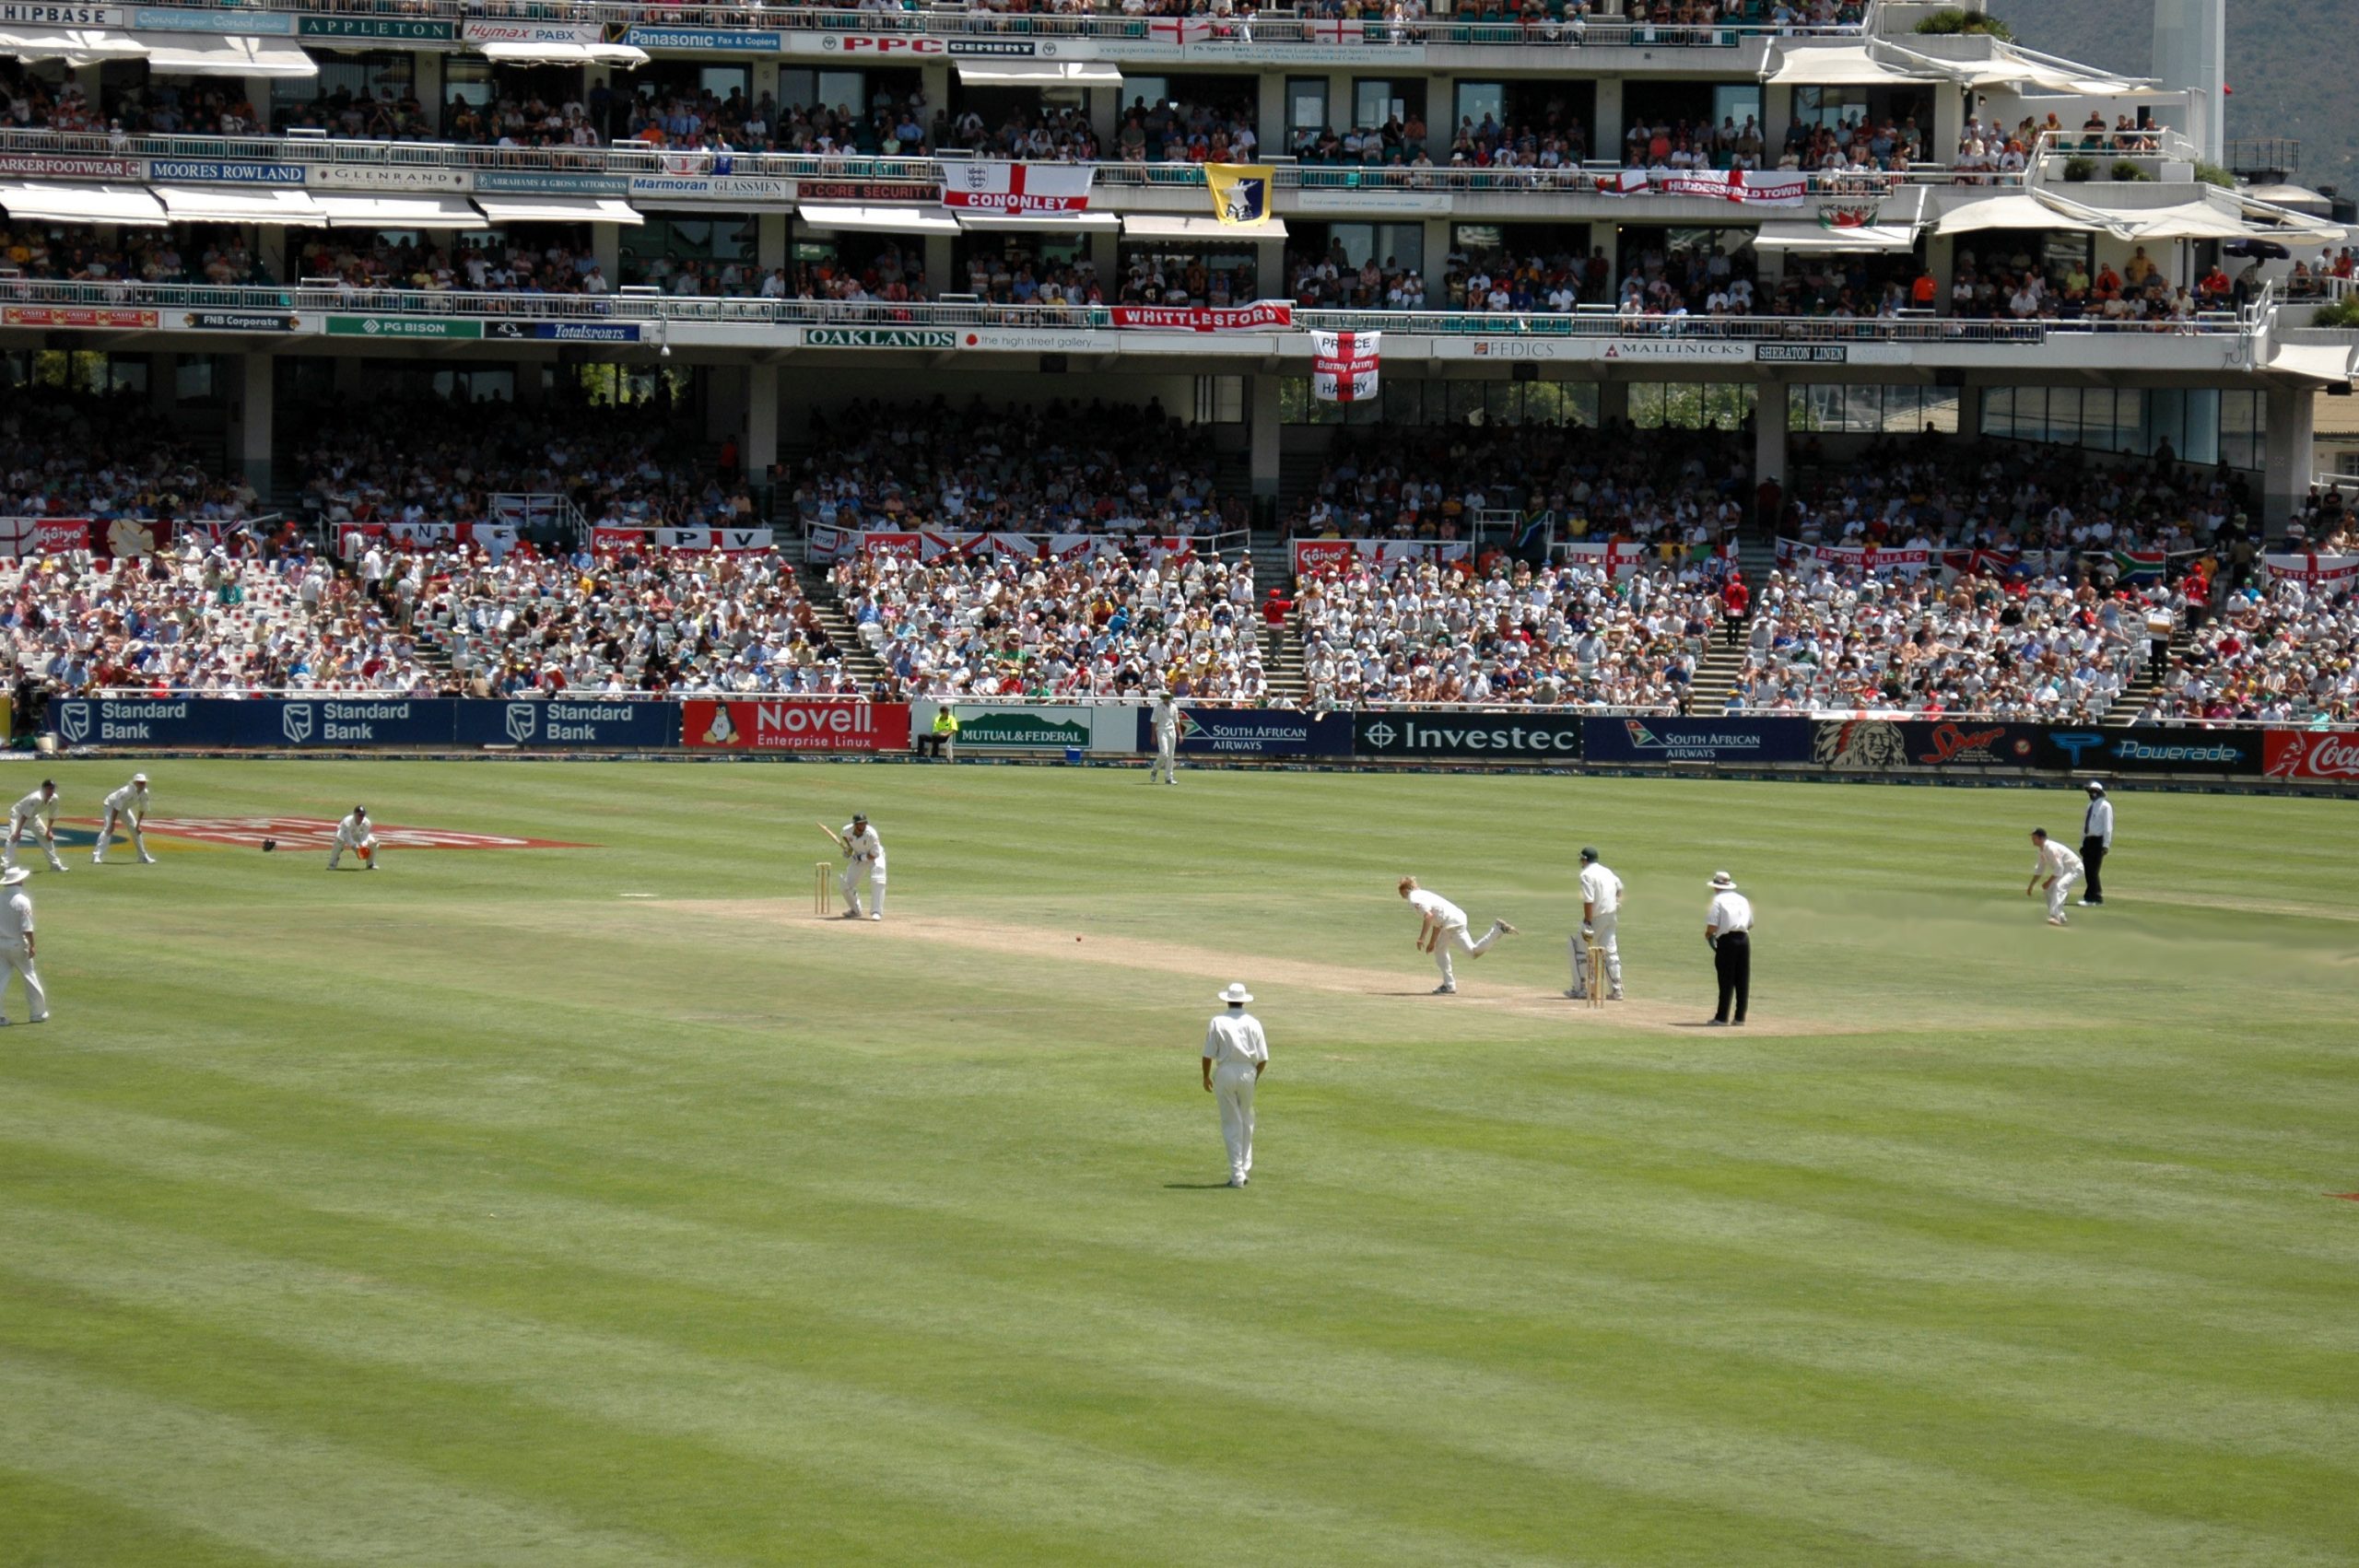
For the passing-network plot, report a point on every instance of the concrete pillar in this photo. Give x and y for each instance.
(606, 250)
(253, 431)
(1949, 124)
(1270, 114)
(163, 384)
(1261, 410)
(1270, 268)
(2290, 464)
(724, 401)
(769, 240)
(1777, 118)
(257, 91)
(1605, 137)
(530, 375)
(1941, 260)
(1106, 255)
(764, 79)
(934, 82)
(1441, 116)
(1613, 402)
(1339, 99)
(1105, 114)
(270, 252)
(1771, 414)
(426, 80)
(759, 447)
(1969, 412)
(938, 275)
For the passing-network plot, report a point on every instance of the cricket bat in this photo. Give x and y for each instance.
(832, 833)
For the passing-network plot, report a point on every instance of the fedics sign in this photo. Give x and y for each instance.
(563, 723)
(1470, 737)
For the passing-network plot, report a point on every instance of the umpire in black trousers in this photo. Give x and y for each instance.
(2096, 838)
(1729, 927)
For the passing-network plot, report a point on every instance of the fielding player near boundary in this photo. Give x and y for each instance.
(1601, 912)
(2097, 841)
(1235, 1053)
(2063, 868)
(128, 806)
(17, 943)
(1727, 930)
(863, 863)
(1164, 769)
(1444, 923)
(357, 833)
(35, 814)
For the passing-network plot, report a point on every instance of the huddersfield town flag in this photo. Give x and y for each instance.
(1240, 193)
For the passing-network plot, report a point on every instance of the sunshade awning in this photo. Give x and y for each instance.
(561, 53)
(398, 212)
(1843, 65)
(2187, 220)
(1817, 237)
(558, 209)
(220, 54)
(74, 46)
(47, 203)
(230, 204)
(2011, 211)
(1041, 222)
(1165, 226)
(2329, 362)
(843, 216)
(1041, 73)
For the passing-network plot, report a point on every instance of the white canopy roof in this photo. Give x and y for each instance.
(233, 204)
(1165, 226)
(220, 54)
(397, 212)
(2187, 220)
(1838, 65)
(2329, 362)
(2013, 210)
(1041, 73)
(50, 203)
(563, 53)
(844, 216)
(1041, 222)
(1817, 237)
(75, 46)
(558, 209)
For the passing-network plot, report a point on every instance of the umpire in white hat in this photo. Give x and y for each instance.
(1235, 1054)
(1728, 927)
(2096, 838)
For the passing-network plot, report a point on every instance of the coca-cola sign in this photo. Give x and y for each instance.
(2311, 754)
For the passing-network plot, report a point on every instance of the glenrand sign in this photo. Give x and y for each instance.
(402, 326)
(879, 337)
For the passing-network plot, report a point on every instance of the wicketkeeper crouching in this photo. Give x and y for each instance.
(357, 833)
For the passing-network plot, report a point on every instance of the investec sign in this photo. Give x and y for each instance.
(1489, 737)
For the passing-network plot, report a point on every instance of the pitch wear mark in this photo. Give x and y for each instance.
(319, 833)
(2347, 1197)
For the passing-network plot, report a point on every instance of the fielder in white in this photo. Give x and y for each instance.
(1164, 769)
(2063, 868)
(1444, 923)
(1600, 911)
(357, 833)
(17, 943)
(127, 806)
(1235, 1053)
(35, 815)
(863, 861)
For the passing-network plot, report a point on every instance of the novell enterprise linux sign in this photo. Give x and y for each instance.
(1470, 736)
(826, 725)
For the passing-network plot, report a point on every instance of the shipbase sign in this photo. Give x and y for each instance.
(1473, 737)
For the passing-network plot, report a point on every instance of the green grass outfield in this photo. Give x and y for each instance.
(470, 1212)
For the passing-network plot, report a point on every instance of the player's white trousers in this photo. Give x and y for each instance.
(856, 872)
(1233, 1087)
(1473, 948)
(1603, 925)
(36, 998)
(105, 835)
(335, 852)
(2060, 893)
(9, 857)
(1164, 768)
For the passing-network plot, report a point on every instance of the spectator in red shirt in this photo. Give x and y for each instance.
(1736, 598)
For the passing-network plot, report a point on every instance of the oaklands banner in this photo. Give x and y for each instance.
(1344, 366)
(988, 185)
(2330, 573)
(1752, 187)
(1271, 315)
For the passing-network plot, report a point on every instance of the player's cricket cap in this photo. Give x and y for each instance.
(2096, 788)
(1722, 880)
(1588, 853)
(860, 816)
(13, 875)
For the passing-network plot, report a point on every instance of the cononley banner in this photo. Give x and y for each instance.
(2311, 754)
(1268, 316)
(1751, 187)
(1344, 366)
(988, 185)
(1317, 555)
(822, 724)
(2332, 573)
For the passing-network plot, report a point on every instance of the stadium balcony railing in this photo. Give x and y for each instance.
(1107, 23)
(627, 159)
(754, 312)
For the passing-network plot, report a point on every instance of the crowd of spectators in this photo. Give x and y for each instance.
(1059, 468)
(105, 458)
(201, 254)
(2285, 651)
(1110, 625)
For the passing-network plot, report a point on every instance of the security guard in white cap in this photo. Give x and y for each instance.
(2096, 838)
(128, 806)
(1235, 1054)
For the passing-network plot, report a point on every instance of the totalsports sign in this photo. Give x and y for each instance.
(789, 724)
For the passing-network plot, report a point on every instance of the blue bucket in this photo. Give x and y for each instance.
(1073, 754)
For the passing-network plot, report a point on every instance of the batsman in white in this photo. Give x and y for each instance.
(863, 861)
(357, 833)
(2063, 868)
(1166, 714)
(1444, 923)
(16, 942)
(36, 815)
(127, 805)
(1601, 913)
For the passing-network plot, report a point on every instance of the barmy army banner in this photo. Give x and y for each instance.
(1344, 366)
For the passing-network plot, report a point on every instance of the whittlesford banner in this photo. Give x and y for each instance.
(1273, 315)
(991, 186)
(1344, 366)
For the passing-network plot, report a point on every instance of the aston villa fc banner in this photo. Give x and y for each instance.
(1344, 366)
(991, 186)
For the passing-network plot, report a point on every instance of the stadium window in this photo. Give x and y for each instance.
(2129, 418)
(127, 372)
(1938, 410)
(193, 378)
(2243, 438)
(1306, 103)
(1737, 102)
(2063, 426)
(1998, 412)
(1144, 92)
(1478, 101)
(722, 80)
(1646, 405)
(69, 369)
(1374, 102)
(1220, 400)
(466, 81)
(1829, 106)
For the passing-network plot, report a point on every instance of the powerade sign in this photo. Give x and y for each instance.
(550, 723)
(1252, 731)
(1737, 741)
(1470, 737)
(2159, 750)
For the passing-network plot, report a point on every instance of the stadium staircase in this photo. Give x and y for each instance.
(2139, 692)
(1281, 649)
(859, 662)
